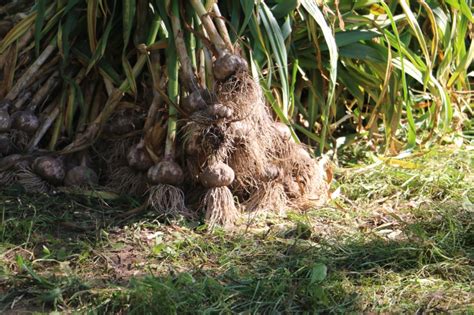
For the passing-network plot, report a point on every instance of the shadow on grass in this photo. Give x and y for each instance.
(256, 273)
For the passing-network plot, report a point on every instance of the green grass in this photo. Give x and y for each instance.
(398, 238)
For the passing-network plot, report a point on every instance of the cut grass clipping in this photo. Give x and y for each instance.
(398, 239)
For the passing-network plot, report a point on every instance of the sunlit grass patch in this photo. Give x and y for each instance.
(385, 244)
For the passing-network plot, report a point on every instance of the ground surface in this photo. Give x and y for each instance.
(397, 237)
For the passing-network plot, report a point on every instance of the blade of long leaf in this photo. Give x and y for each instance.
(413, 22)
(16, 32)
(317, 15)
(103, 41)
(349, 37)
(92, 11)
(247, 6)
(406, 100)
(64, 34)
(283, 8)
(433, 84)
(466, 9)
(71, 106)
(105, 68)
(434, 29)
(40, 16)
(129, 74)
(465, 63)
(279, 50)
(128, 16)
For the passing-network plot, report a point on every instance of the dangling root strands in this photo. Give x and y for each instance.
(32, 182)
(268, 197)
(219, 207)
(168, 200)
(155, 129)
(126, 180)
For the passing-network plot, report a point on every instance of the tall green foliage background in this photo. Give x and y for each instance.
(397, 73)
